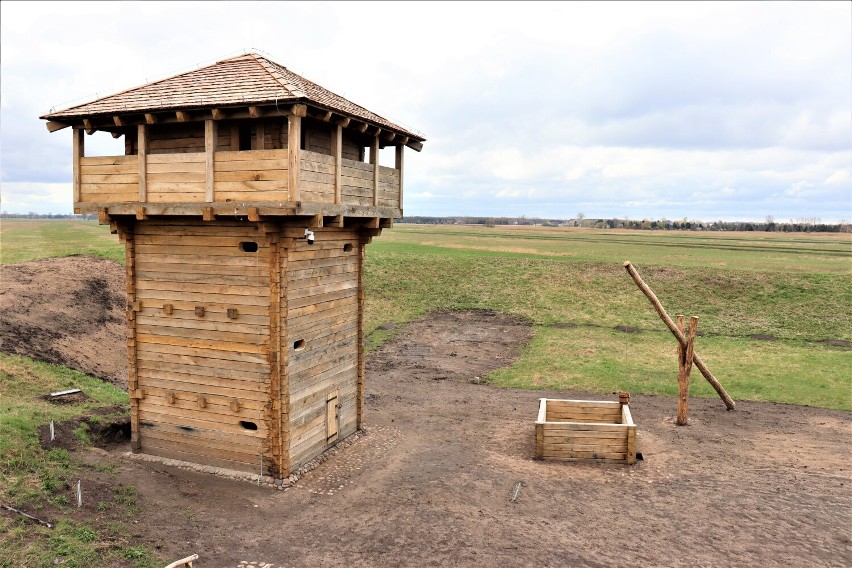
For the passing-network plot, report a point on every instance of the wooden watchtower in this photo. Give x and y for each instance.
(245, 337)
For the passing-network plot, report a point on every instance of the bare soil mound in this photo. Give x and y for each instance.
(68, 311)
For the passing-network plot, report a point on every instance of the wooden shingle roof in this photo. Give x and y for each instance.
(248, 79)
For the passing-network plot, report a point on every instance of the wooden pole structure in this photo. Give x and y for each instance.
(685, 357)
(720, 390)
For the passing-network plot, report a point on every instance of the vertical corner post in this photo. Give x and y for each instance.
(359, 392)
(294, 153)
(142, 157)
(374, 159)
(273, 408)
(127, 234)
(209, 150)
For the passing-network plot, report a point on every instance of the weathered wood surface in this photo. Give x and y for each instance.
(685, 356)
(203, 371)
(714, 382)
(112, 178)
(573, 430)
(322, 319)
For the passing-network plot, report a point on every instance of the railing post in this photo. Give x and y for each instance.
(142, 158)
(210, 149)
(337, 148)
(79, 148)
(374, 159)
(400, 148)
(294, 146)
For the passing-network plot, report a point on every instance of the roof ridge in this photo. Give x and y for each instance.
(279, 78)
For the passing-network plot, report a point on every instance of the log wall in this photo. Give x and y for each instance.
(322, 341)
(203, 370)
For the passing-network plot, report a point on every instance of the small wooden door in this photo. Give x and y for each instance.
(332, 416)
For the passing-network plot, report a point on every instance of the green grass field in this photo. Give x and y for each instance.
(794, 287)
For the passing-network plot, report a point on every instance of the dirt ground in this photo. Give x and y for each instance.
(430, 484)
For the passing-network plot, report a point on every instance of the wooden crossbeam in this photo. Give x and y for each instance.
(255, 112)
(182, 116)
(363, 127)
(117, 120)
(87, 126)
(217, 113)
(150, 118)
(299, 110)
(344, 122)
(326, 116)
(53, 126)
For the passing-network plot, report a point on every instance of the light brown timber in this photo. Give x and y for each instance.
(717, 386)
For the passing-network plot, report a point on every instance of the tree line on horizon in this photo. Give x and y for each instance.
(803, 225)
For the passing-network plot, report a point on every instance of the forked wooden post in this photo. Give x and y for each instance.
(717, 386)
(685, 357)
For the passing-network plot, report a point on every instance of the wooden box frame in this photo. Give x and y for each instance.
(585, 430)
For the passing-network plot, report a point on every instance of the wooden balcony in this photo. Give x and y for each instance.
(234, 182)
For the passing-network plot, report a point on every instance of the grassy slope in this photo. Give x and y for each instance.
(41, 482)
(795, 287)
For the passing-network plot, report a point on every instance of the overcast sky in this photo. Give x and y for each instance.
(709, 111)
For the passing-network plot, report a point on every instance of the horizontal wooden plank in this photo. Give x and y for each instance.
(246, 339)
(308, 309)
(199, 343)
(210, 239)
(160, 197)
(349, 200)
(202, 366)
(203, 385)
(296, 303)
(179, 179)
(586, 434)
(567, 427)
(216, 302)
(558, 404)
(308, 156)
(333, 355)
(319, 167)
(176, 167)
(130, 178)
(199, 419)
(208, 288)
(250, 155)
(274, 185)
(565, 454)
(129, 161)
(217, 407)
(145, 349)
(155, 449)
(190, 325)
(200, 445)
(183, 157)
(356, 164)
(279, 175)
(309, 287)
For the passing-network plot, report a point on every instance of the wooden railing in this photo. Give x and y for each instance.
(253, 176)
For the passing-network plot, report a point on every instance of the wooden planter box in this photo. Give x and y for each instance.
(585, 430)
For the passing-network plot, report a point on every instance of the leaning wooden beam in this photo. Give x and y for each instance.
(679, 335)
